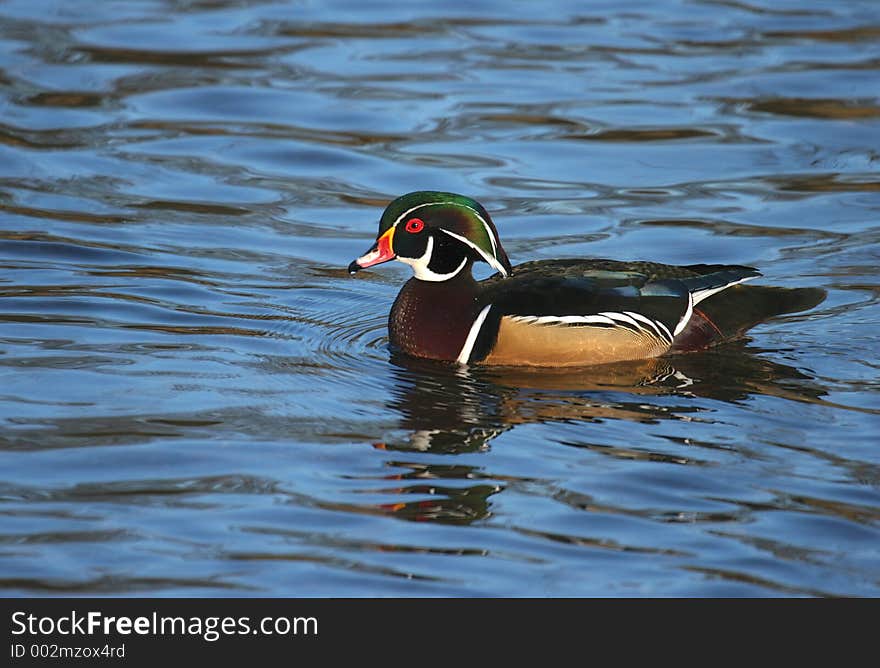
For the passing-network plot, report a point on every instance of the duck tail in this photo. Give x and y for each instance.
(729, 314)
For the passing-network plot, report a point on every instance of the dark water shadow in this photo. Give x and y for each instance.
(449, 410)
(444, 409)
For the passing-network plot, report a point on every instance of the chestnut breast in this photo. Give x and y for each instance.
(432, 319)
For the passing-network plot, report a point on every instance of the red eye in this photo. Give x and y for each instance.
(415, 225)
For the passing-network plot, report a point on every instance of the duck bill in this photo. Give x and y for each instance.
(382, 251)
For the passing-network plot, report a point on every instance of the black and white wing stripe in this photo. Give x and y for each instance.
(629, 320)
(657, 310)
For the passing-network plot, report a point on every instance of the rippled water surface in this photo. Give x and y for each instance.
(196, 398)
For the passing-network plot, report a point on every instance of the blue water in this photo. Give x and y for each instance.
(197, 400)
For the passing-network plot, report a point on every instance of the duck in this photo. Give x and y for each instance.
(552, 313)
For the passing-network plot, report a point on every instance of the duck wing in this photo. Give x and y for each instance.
(633, 309)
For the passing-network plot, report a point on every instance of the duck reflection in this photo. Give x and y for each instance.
(449, 505)
(447, 409)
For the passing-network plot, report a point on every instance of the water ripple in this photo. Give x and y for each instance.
(198, 400)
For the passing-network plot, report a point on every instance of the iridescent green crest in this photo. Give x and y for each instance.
(458, 216)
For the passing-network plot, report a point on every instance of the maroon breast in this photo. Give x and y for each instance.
(433, 319)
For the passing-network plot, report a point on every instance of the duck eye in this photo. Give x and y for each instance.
(415, 225)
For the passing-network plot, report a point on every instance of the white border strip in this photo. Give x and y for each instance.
(471, 339)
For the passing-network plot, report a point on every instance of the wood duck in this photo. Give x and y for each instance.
(552, 313)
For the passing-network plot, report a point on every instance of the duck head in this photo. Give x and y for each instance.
(438, 234)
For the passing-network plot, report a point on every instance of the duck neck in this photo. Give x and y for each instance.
(432, 318)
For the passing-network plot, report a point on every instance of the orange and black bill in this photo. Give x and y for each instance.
(381, 251)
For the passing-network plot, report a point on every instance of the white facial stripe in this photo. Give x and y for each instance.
(420, 265)
(492, 260)
(471, 339)
(427, 275)
(415, 208)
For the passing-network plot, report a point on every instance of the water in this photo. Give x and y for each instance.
(196, 399)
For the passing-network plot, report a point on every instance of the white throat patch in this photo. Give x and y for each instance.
(420, 265)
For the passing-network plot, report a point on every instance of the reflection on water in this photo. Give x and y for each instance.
(450, 409)
(196, 399)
